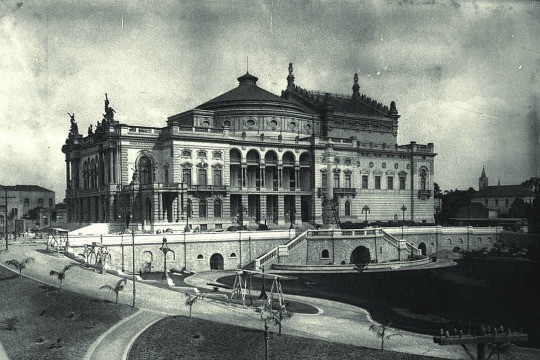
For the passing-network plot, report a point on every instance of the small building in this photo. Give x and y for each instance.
(22, 199)
(500, 197)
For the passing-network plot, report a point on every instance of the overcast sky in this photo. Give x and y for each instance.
(464, 74)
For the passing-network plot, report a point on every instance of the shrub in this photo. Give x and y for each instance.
(11, 323)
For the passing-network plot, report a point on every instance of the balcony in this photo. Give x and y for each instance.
(424, 194)
(208, 188)
(337, 191)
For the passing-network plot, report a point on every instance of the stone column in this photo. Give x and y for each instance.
(262, 204)
(281, 210)
(298, 208)
(68, 184)
(280, 176)
(297, 177)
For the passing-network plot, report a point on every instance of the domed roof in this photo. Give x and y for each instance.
(248, 94)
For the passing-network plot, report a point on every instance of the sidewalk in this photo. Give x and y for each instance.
(338, 322)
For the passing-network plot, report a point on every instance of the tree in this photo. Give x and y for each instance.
(191, 300)
(380, 332)
(61, 275)
(520, 209)
(119, 286)
(532, 184)
(20, 265)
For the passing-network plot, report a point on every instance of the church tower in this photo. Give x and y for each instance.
(483, 180)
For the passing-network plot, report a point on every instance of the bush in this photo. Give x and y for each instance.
(11, 323)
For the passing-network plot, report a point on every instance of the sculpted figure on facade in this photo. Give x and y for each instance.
(109, 111)
(74, 130)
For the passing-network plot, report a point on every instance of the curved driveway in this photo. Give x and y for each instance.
(339, 322)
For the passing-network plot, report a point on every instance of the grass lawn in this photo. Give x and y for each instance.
(46, 315)
(179, 337)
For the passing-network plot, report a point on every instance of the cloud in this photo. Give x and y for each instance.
(445, 65)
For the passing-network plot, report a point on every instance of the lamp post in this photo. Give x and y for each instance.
(6, 197)
(165, 249)
(403, 209)
(366, 210)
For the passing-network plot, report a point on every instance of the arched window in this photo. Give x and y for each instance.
(460, 240)
(217, 208)
(423, 179)
(233, 255)
(325, 254)
(202, 209)
(145, 170)
(200, 257)
(347, 208)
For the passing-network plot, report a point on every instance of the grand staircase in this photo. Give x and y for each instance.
(268, 258)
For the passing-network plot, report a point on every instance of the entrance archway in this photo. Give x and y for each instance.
(423, 248)
(216, 262)
(360, 255)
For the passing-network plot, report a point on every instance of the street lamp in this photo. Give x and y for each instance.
(366, 210)
(292, 216)
(403, 209)
(241, 212)
(5, 216)
(165, 249)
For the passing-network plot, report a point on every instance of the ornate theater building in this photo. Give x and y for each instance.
(250, 157)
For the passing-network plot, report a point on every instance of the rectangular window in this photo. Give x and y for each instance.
(390, 183)
(496, 201)
(217, 177)
(324, 180)
(348, 180)
(486, 201)
(364, 181)
(26, 202)
(51, 202)
(15, 212)
(204, 227)
(40, 202)
(186, 177)
(218, 226)
(402, 183)
(202, 177)
(377, 182)
(506, 202)
(336, 180)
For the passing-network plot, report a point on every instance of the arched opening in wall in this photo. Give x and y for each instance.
(360, 255)
(145, 170)
(288, 180)
(253, 171)
(147, 259)
(305, 172)
(148, 210)
(423, 248)
(347, 208)
(216, 262)
(325, 254)
(235, 169)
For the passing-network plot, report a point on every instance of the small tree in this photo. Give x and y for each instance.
(380, 332)
(11, 323)
(20, 265)
(119, 286)
(191, 300)
(61, 275)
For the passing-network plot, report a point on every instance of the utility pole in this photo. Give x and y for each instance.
(6, 197)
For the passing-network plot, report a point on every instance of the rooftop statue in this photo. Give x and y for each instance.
(74, 130)
(109, 111)
(90, 131)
